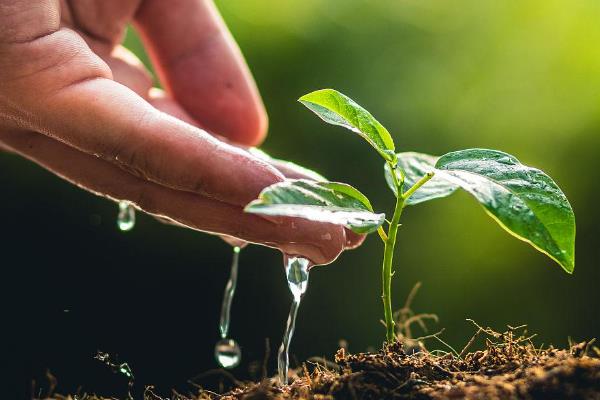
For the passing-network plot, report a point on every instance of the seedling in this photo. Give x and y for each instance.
(524, 201)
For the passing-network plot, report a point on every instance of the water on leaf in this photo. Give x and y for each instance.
(228, 353)
(126, 217)
(296, 272)
(506, 160)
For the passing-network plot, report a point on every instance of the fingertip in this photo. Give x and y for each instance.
(203, 69)
(250, 125)
(321, 243)
(260, 128)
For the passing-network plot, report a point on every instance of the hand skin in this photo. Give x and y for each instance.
(76, 102)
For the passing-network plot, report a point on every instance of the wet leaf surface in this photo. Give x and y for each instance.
(336, 108)
(331, 202)
(523, 200)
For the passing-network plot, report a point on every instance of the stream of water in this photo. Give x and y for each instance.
(227, 351)
(296, 273)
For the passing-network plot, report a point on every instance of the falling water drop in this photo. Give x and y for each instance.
(227, 351)
(228, 295)
(126, 217)
(296, 273)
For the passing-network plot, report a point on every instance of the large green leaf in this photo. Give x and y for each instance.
(523, 200)
(415, 166)
(333, 202)
(338, 109)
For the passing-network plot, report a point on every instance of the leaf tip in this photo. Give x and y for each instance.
(308, 97)
(568, 266)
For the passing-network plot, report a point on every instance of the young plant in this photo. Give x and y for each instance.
(523, 200)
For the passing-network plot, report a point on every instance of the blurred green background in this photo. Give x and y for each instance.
(520, 76)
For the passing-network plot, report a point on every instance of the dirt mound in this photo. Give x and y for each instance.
(508, 367)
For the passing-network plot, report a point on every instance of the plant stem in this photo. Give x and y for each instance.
(388, 255)
(417, 185)
(386, 272)
(382, 234)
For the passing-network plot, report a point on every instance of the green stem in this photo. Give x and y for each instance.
(386, 273)
(382, 234)
(388, 255)
(417, 185)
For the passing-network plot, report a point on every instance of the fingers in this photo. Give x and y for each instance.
(66, 93)
(129, 71)
(163, 102)
(102, 22)
(25, 20)
(321, 243)
(200, 65)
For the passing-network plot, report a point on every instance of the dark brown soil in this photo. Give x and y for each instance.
(507, 369)
(507, 366)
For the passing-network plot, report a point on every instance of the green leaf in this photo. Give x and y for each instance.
(333, 202)
(523, 200)
(415, 166)
(350, 191)
(338, 109)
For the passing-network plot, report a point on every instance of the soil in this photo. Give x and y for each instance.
(507, 365)
(503, 370)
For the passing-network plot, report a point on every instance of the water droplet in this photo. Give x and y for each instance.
(518, 207)
(126, 217)
(228, 353)
(506, 160)
(126, 370)
(296, 272)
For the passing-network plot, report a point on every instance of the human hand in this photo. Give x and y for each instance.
(79, 104)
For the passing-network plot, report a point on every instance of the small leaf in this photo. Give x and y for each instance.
(415, 166)
(523, 200)
(332, 202)
(338, 109)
